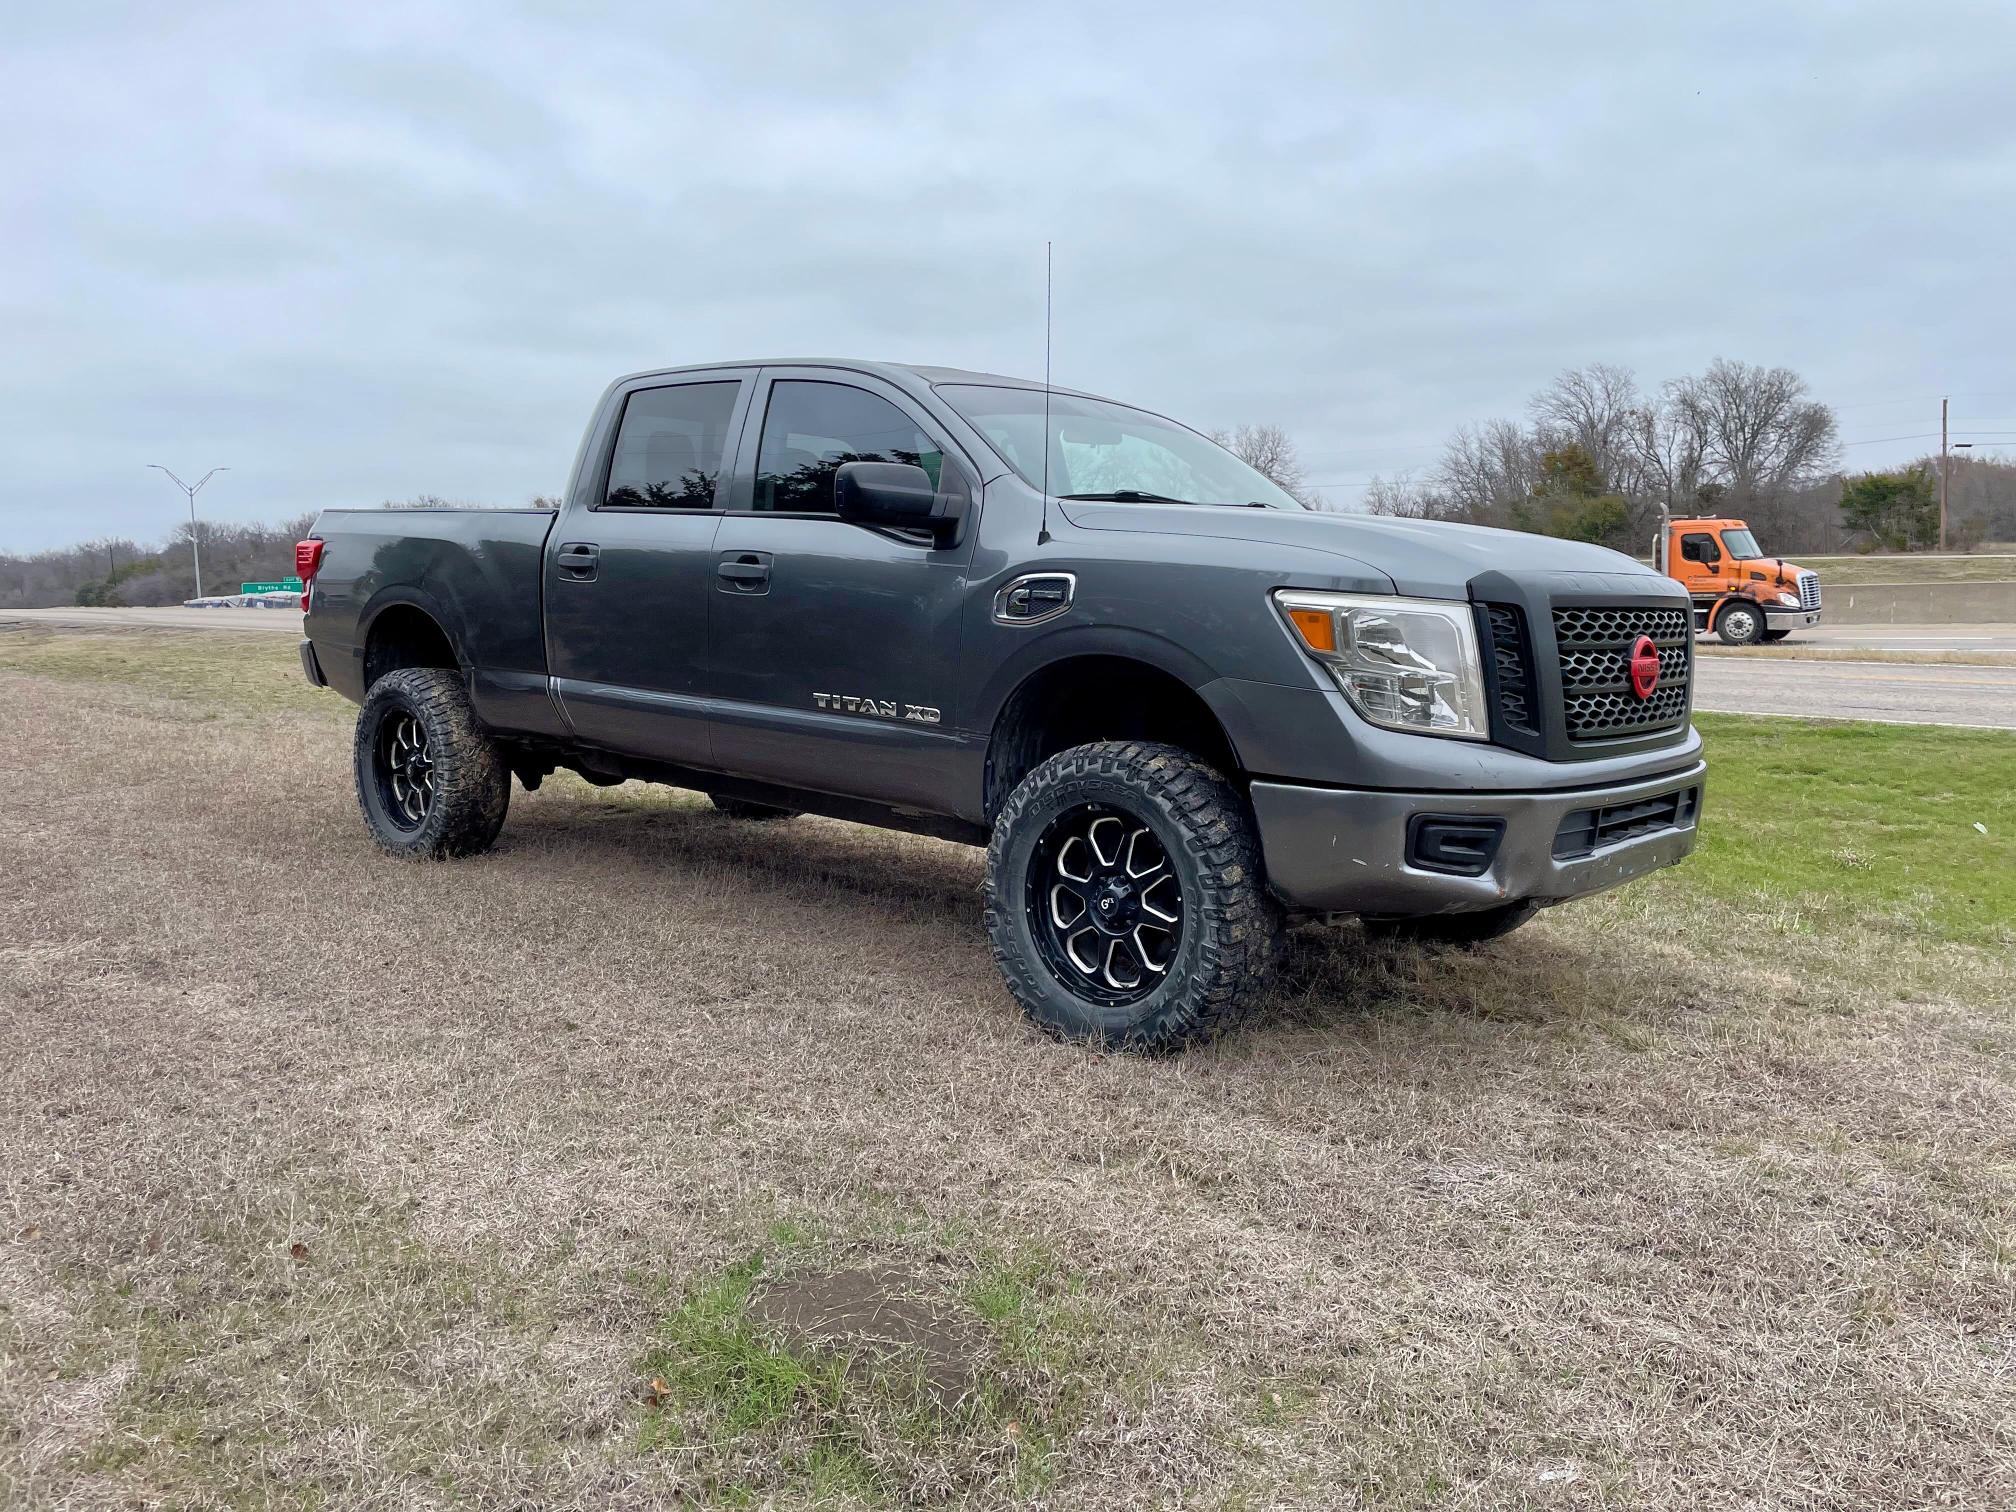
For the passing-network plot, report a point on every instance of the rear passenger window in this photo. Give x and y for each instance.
(670, 445)
(812, 428)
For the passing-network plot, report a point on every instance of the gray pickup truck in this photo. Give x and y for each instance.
(1174, 705)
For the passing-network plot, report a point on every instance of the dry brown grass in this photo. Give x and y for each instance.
(1654, 1204)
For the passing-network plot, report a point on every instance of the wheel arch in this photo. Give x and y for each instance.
(405, 628)
(1097, 693)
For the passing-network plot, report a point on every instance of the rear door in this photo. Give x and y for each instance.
(836, 646)
(629, 567)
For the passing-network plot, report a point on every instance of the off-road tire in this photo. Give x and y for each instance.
(471, 782)
(742, 808)
(1231, 933)
(1460, 929)
(1741, 624)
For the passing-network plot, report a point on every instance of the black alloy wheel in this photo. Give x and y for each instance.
(405, 770)
(1105, 905)
(430, 780)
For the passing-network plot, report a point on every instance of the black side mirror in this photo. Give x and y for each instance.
(898, 495)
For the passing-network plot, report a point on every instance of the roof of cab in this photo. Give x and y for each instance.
(904, 374)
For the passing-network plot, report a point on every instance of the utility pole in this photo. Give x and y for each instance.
(192, 489)
(1945, 472)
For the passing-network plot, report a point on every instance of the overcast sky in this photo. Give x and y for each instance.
(370, 251)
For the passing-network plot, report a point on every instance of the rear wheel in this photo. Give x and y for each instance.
(742, 808)
(1453, 929)
(1740, 623)
(1124, 898)
(430, 782)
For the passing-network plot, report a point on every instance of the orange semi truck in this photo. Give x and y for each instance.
(1739, 593)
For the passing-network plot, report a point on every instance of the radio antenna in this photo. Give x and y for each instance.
(1043, 530)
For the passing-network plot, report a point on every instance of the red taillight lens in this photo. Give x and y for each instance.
(307, 559)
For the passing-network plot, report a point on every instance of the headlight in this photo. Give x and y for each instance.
(1789, 600)
(1407, 664)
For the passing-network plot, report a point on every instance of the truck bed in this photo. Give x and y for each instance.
(477, 570)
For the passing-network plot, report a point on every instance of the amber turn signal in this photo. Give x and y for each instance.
(1317, 627)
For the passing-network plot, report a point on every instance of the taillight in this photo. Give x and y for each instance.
(307, 562)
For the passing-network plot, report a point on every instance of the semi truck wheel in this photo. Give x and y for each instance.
(1453, 929)
(1124, 898)
(742, 808)
(429, 781)
(1740, 624)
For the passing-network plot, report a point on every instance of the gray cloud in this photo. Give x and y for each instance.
(399, 249)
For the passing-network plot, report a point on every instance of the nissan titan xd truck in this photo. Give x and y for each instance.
(1177, 707)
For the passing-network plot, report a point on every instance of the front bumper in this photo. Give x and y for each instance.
(1781, 618)
(1345, 851)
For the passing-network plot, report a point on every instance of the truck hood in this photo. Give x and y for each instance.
(1430, 558)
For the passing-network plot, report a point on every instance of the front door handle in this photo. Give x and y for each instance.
(578, 560)
(744, 571)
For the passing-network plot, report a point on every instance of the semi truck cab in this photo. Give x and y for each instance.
(1739, 593)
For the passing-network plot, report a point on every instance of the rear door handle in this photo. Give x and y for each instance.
(744, 571)
(577, 561)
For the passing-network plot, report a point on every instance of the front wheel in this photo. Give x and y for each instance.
(1124, 898)
(1740, 624)
(431, 783)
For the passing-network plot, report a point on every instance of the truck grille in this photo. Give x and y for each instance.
(1595, 648)
(1809, 590)
(1512, 664)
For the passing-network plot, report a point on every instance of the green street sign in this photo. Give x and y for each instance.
(285, 585)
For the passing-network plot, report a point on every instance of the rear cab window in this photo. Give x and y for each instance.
(670, 446)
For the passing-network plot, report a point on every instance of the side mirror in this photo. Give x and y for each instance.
(898, 495)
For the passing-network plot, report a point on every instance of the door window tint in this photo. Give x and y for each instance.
(669, 449)
(812, 428)
(1699, 548)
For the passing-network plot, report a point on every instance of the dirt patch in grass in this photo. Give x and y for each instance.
(1699, 1193)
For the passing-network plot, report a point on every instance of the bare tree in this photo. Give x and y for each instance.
(1488, 470)
(1666, 443)
(1402, 498)
(1761, 436)
(1593, 407)
(1268, 451)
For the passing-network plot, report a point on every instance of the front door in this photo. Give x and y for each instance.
(835, 647)
(630, 576)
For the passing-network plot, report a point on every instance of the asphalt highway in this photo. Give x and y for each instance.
(1895, 692)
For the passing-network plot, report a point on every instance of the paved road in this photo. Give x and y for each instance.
(1893, 692)
(285, 621)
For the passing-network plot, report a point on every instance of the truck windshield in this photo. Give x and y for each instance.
(1109, 451)
(1741, 545)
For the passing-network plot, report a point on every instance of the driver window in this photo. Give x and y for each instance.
(1700, 548)
(812, 428)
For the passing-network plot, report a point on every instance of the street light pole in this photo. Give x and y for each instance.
(192, 489)
(1945, 470)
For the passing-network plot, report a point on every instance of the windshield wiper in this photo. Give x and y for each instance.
(1129, 496)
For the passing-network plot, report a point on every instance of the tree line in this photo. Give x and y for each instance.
(116, 571)
(1596, 457)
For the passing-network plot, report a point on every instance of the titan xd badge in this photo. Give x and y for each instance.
(880, 708)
